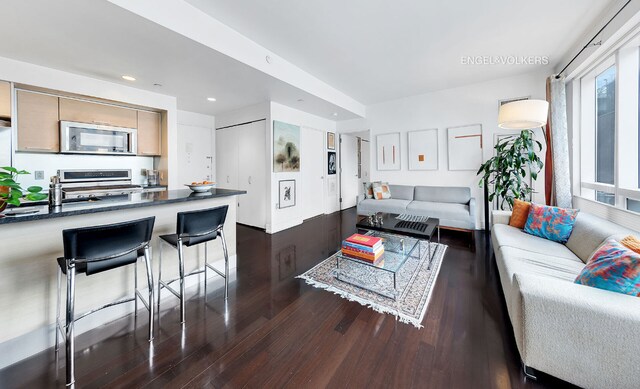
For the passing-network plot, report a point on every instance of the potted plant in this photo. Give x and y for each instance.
(505, 173)
(10, 190)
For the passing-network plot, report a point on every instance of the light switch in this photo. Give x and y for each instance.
(38, 174)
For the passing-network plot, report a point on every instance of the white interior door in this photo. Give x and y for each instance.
(313, 173)
(227, 158)
(364, 165)
(252, 207)
(195, 159)
(348, 171)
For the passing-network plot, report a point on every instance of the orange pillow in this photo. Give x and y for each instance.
(520, 213)
(632, 243)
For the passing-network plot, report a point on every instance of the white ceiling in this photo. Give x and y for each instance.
(104, 41)
(378, 50)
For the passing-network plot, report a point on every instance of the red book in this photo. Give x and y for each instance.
(364, 240)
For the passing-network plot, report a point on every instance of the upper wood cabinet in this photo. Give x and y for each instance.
(149, 133)
(5, 100)
(38, 128)
(89, 112)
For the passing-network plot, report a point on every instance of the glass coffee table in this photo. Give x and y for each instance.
(372, 276)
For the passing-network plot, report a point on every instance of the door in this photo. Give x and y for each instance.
(312, 172)
(251, 142)
(227, 158)
(195, 153)
(348, 171)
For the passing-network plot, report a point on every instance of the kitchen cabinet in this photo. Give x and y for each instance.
(241, 164)
(149, 133)
(38, 128)
(5, 100)
(90, 112)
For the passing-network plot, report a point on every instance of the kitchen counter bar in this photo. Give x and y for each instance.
(40, 212)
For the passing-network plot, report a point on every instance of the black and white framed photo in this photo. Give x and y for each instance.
(332, 162)
(287, 194)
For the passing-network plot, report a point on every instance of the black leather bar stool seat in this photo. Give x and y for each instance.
(92, 250)
(194, 228)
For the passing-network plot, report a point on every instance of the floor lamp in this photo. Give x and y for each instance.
(518, 115)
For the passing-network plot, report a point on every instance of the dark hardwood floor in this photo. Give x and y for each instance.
(276, 331)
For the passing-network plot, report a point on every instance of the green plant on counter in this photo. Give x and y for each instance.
(505, 172)
(10, 190)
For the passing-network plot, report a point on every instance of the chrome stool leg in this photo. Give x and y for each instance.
(226, 264)
(159, 271)
(147, 262)
(135, 289)
(57, 327)
(206, 264)
(70, 341)
(181, 265)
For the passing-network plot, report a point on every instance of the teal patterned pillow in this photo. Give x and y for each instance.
(551, 223)
(613, 267)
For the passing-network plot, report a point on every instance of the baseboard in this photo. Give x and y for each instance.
(24, 346)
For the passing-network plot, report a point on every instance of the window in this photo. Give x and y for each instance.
(609, 133)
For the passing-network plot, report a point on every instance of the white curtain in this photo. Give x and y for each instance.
(558, 143)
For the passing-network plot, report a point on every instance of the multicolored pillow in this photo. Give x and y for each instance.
(519, 214)
(613, 267)
(381, 190)
(368, 190)
(551, 223)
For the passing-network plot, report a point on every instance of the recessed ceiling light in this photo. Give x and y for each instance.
(129, 78)
(211, 98)
(335, 114)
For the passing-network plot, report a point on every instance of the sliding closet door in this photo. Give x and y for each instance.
(312, 168)
(227, 158)
(252, 208)
(349, 171)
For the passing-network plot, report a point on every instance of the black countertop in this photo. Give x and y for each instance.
(105, 204)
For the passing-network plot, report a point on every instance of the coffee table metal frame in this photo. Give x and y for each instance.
(397, 250)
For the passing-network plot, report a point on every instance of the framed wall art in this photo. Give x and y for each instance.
(286, 193)
(332, 163)
(423, 149)
(286, 147)
(388, 151)
(465, 147)
(331, 141)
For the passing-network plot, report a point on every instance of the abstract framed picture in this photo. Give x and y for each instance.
(331, 140)
(332, 163)
(286, 147)
(286, 193)
(465, 147)
(422, 148)
(388, 151)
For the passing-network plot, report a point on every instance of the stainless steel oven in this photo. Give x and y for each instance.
(86, 138)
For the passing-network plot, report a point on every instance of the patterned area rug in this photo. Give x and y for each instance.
(415, 281)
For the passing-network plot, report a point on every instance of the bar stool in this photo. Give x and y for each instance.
(92, 250)
(194, 228)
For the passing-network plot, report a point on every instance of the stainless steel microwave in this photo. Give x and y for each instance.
(86, 138)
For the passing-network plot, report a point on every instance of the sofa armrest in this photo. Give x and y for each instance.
(584, 335)
(472, 212)
(500, 217)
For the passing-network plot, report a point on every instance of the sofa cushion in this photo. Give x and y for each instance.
(401, 192)
(613, 267)
(589, 232)
(372, 206)
(551, 223)
(381, 191)
(441, 194)
(367, 190)
(520, 213)
(505, 235)
(439, 210)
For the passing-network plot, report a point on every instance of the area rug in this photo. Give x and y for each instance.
(415, 281)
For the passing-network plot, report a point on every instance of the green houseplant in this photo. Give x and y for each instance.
(505, 173)
(10, 190)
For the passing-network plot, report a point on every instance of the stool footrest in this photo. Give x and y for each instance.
(162, 284)
(221, 274)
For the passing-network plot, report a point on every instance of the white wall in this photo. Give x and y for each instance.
(281, 219)
(191, 127)
(26, 73)
(471, 104)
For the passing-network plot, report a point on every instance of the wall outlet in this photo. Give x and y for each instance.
(38, 174)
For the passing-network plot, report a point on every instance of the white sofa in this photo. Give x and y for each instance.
(587, 336)
(454, 206)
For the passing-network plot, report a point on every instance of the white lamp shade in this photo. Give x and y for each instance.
(523, 114)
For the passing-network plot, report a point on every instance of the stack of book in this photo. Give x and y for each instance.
(363, 247)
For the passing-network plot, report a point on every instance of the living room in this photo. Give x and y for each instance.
(200, 193)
